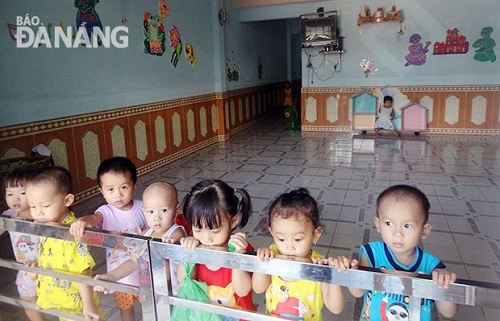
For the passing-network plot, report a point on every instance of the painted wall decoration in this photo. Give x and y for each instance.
(163, 9)
(189, 51)
(260, 68)
(232, 69)
(368, 67)
(485, 45)
(176, 44)
(454, 44)
(124, 11)
(87, 16)
(418, 53)
(154, 32)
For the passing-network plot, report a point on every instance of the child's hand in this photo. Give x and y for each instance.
(239, 242)
(105, 277)
(190, 243)
(265, 254)
(443, 278)
(31, 275)
(76, 229)
(168, 239)
(341, 263)
(90, 312)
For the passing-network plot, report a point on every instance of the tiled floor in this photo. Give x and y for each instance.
(460, 175)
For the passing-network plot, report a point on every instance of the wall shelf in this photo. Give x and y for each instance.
(388, 17)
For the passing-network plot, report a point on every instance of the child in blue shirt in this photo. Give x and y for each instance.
(402, 220)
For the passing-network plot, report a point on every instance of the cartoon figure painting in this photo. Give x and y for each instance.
(87, 16)
(154, 44)
(484, 51)
(163, 9)
(417, 55)
(176, 44)
(189, 51)
(455, 44)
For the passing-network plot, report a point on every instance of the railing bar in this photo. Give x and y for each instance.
(394, 282)
(70, 277)
(33, 306)
(222, 310)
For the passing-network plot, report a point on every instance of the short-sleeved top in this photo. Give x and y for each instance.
(25, 246)
(67, 256)
(220, 287)
(132, 222)
(381, 306)
(172, 264)
(296, 300)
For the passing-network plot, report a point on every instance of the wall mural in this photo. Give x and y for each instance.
(418, 53)
(189, 51)
(155, 37)
(454, 44)
(154, 33)
(484, 45)
(87, 16)
(176, 44)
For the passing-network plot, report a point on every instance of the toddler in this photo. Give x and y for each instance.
(117, 178)
(49, 197)
(295, 227)
(25, 246)
(385, 117)
(214, 210)
(402, 220)
(160, 209)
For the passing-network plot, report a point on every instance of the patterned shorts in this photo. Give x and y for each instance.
(125, 301)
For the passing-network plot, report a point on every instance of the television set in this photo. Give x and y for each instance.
(320, 29)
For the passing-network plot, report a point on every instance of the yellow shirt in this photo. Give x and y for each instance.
(64, 256)
(298, 300)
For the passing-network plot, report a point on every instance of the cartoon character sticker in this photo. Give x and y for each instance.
(485, 45)
(417, 55)
(176, 44)
(87, 16)
(163, 9)
(189, 51)
(154, 44)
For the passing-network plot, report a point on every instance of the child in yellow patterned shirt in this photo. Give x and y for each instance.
(49, 197)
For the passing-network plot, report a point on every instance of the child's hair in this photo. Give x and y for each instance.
(18, 177)
(298, 204)
(59, 176)
(210, 199)
(388, 98)
(404, 192)
(165, 186)
(119, 165)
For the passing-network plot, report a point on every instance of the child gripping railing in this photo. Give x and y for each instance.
(157, 302)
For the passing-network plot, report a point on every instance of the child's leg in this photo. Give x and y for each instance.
(26, 286)
(376, 131)
(127, 315)
(32, 314)
(396, 133)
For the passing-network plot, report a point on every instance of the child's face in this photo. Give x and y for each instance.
(217, 236)
(294, 237)
(387, 104)
(401, 225)
(118, 190)
(46, 203)
(160, 209)
(16, 199)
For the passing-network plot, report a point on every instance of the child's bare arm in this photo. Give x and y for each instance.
(261, 281)
(443, 278)
(76, 229)
(125, 269)
(242, 280)
(89, 309)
